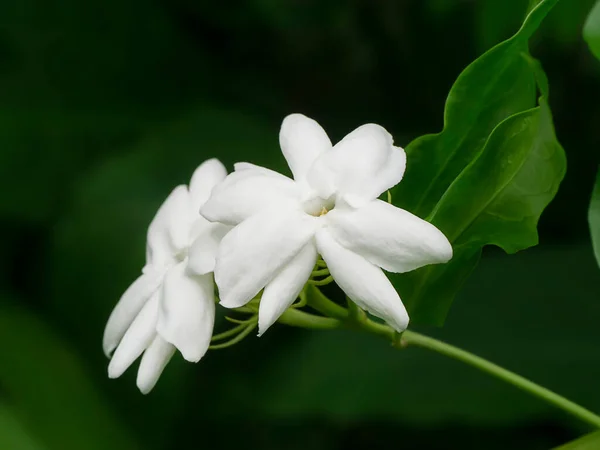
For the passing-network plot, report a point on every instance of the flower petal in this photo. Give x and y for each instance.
(365, 284)
(137, 338)
(246, 192)
(360, 167)
(205, 178)
(182, 216)
(241, 166)
(128, 307)
(302, 140)
(187, 311)
(389, 237)
(280, 293)
(154, 360)
(252, 254)
(169, 231)
(203, 250)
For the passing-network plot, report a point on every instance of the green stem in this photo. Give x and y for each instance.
(323, 282)
(319, 273)
(231, 332)
(380, 329)
(240, 321)
(302, 319)
(355, 319)
(236, 339)
(321, 303)
(409, 338)
(355, 314)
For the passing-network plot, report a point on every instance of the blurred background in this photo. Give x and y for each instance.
(106, 105)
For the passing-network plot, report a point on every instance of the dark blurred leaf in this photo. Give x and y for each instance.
(497, 85)
(13, 434)
(591, 30)
(587, 442)
(441, 7)
(565, 22)
(77, 80)
(594, 217)
(42, 152)
(496, 21)
(100, 53)
(496, 200)
(48, 386)
(349, 377)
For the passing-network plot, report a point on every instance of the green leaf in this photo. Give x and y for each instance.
(497, 85)
(594, 217)
(49, 388)
(486, 178)
(13, 434)
(588, 442)
(591, 30)
(496, 200)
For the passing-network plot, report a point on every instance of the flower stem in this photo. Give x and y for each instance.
(319, 273)
(302, 319)
(410, 338)
(321, 263)
(251, 326)
(353, 318)
(323, 282)
(231, 332)
(321, 303)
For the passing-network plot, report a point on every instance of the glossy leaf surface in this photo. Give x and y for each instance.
(487, 177)
(497, 200)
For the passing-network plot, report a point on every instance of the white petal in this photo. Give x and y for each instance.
(245, 192)
(241, 166)
(280, 293)
(203, 251)
(252, 253)
(181, 218)
(302, 140)
(187, 311)
(199, 227)
(360, 193)
(169, 232)
(365, 284)
(154, 361)
(128, 307)
(205, 178)
(389, 237)
(360, 167)
(137, 338)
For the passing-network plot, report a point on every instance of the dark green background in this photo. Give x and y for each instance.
(106, 105)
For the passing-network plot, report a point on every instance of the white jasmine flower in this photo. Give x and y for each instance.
(171, 305)
(329, 208)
